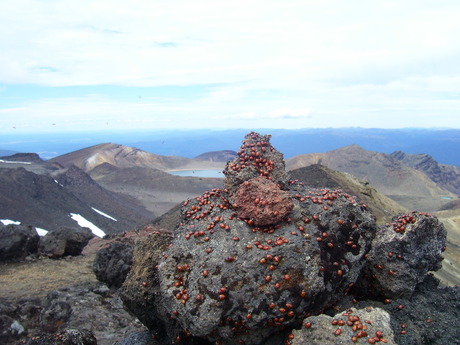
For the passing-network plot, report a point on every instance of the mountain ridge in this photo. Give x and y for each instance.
(409, 187)
(447, 176)
(126, 157)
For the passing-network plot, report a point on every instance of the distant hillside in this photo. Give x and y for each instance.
(47, 202)
(156, 190)
(129, 212)
(217, 156)
(127, 157)
(409, 187)
(23, 157)
(319, 176)
(445, 176)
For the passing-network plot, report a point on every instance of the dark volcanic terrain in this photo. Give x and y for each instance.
(134, 187)
(44, 195)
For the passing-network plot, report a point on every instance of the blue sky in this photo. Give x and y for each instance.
(69, 65)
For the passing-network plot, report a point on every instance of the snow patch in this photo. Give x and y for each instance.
(87, 224)
(104, 214)
(58, 183)
(41, 232)
(9, 221)
(14, 162)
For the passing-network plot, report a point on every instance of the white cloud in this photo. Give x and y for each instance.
(261, 55)
(282, 113)
(68, 42)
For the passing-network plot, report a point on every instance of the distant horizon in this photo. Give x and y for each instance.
(190, 143)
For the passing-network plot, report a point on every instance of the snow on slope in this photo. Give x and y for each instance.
(14, 162)
(87, 224)
(104, 214)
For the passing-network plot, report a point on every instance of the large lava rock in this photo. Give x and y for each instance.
(66, 241)
(113, 262)
(402, 253)
(17, 242)
(250, 260)
(347, 327)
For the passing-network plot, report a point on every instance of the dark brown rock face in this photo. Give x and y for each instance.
(252, 260)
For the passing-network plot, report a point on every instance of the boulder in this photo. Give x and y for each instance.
(364, 326)
(402, 254)
(112, 263)
(236, 273)
(66, 241)
(18, 241)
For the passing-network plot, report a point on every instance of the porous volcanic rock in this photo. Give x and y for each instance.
(225, 279)
(347, 327)
(262, 202)
(18, 241)
(66, 241)
(256, 157)
(114, 254)
(402, 253)
(112, 263)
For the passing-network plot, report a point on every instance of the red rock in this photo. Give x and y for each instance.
(272, 206)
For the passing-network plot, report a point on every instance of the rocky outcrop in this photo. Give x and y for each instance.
(91, 309)
(256, 157)
(17, 242)
(114, 254)
(350, 326)
(402, 253)
(446, 176)
(66, 241)
(113, 262)
(236, 273)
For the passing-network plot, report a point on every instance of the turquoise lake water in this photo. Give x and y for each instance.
(198, 173)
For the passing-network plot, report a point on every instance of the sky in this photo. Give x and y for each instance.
(88, 65)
